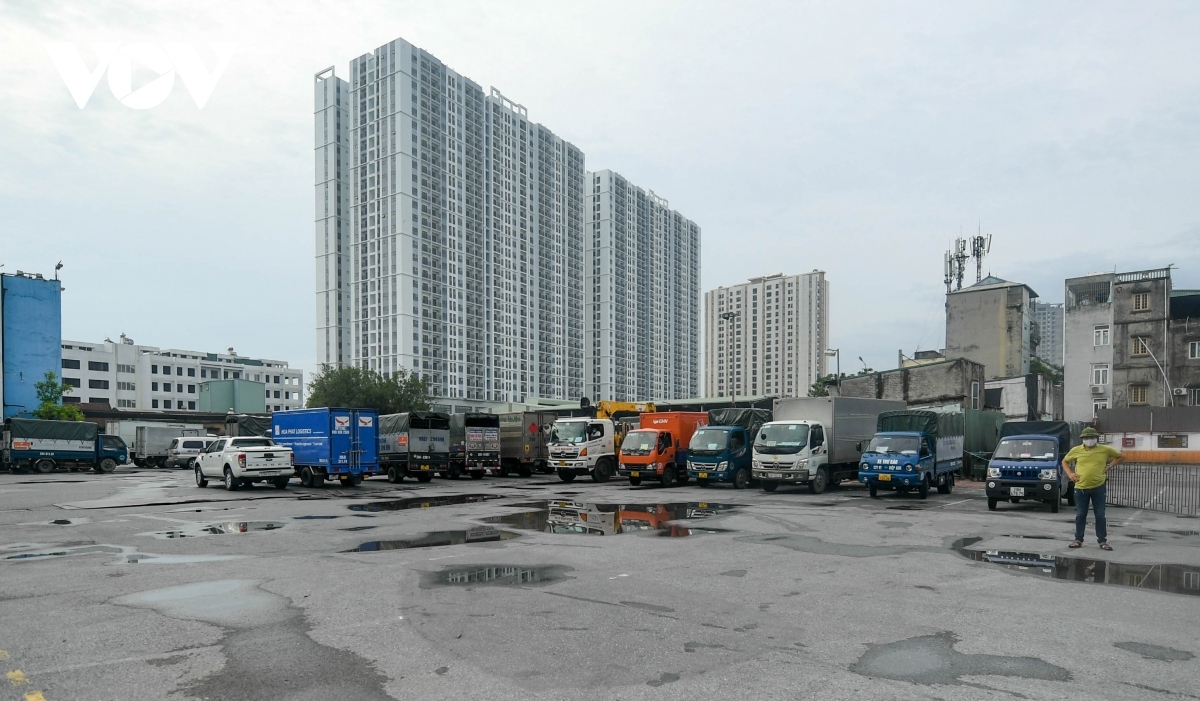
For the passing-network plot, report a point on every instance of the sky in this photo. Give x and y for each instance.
(858, 138)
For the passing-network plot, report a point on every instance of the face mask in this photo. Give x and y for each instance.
(1090, 442)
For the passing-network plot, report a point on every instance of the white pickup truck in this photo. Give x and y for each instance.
(245, 460)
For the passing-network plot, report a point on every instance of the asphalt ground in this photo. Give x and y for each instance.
(138, 585)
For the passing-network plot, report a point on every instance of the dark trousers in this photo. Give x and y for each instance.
(1095, 497)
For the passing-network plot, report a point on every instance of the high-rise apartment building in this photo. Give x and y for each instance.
(1049, 319)
(767, 336)
(332, 110)
(465, 237)
(642, 287)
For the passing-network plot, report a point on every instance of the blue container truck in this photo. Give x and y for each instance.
(721, 451)
(1027, 463)
(45, 446)
(913, 450)
(330, 443)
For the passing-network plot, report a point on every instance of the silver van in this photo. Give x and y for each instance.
(183, 451)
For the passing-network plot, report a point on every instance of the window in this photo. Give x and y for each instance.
(1194, 397)
(1191, 580)
(153, 369)
(1100, 374)
(73, 381)
(1137, 394)
(97, 400)
(1100, 334)
(97, 366)
(179, 371)
(126, 404)
(166, 369)
(153, 403)
(127, 369)
(1193, 351)
(1139, 345)
(69, 364)
(97, 384)
(70, 400)
(1097, 406)
(127, 386)
(1141, 301)
(191, 389)
(191, 372)
(166, 403)
(277, 394)
(192, 406)
(153, 386)
(203, 372)
(974, 395)
(1179, 440)
(166, 386)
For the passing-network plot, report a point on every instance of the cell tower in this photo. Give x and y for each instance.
(980, 246)
(955, 264)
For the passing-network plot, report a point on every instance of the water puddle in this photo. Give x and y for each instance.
(1156, 652)
(1171, 578)
(312, 518)
(423, 502)
(932, 659)
(199, 530)
(357, 528)
(126, 555)
(1179, 533)
(496, 575)
(478, 534)
(593, 518)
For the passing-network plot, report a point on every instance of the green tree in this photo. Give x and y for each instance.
(50, 393)
(1038, 366)
(356, 387)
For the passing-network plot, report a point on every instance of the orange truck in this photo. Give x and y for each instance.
(659, 449)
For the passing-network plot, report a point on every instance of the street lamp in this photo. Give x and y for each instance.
(728, 318)
(838, 375)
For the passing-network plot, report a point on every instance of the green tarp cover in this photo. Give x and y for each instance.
(60, 430)
(749, 419)
(248, 425)
(936, 424)
(400, 423)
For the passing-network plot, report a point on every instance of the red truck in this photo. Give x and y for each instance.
(659, 449)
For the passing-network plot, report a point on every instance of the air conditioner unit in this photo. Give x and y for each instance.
(1097, 389)
(1180, 391)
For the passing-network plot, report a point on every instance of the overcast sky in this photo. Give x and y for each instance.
(857, 138)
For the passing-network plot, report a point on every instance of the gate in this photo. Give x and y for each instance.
(1173, 489)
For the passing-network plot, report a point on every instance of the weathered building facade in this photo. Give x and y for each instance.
(992, 323)
(956, 381)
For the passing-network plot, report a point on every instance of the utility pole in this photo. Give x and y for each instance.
(728, 318)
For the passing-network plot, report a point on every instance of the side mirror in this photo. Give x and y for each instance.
(676, 444)
(858, 446)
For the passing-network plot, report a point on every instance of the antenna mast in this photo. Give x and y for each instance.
(980, 246)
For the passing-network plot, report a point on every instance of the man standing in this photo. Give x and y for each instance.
(1091, 463)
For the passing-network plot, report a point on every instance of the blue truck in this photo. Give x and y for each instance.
(330, 443)
(1027, 463)
(721, 451)
(44, 446)
(913, 450)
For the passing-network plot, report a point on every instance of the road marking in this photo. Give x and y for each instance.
(17, 678)
(3, 654)
(35, 696)
(952, 503)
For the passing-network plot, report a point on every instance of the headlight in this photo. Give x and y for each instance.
(993, 472)
(756, 464)
(864, 466)
(908, 468)
(1048, 474)
(802, 462)
(722, 465)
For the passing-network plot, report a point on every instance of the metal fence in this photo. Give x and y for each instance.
(1174, 489)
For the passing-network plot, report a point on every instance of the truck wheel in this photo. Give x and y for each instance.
(505, 469)
(1071, 494)
(282, 482)
(477, 475)
(162, 462)
(308, 478)
(138, 462)
(395, 476)
(1054, 502)
(200, 481)
(424, 477)
(43, 466)
(453, 472)
(923, 490)
(741, 478)
(945, 484)
(231, 482)
(669, 478)
(525, 471)
(566, 475)
(349, 480)
(769, 486)
(820, 481)
(635, 481)
(992, 501)
(699, 481)
(106, 465)
(602, 471)
(873, 491)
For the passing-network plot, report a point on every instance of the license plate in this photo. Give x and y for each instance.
(635, 474)
(560, 463)
(885, 478)
(424, 467)
(1016, 491)
(775, 476)
(703, 475)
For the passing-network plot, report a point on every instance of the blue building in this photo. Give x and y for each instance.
(30, 338)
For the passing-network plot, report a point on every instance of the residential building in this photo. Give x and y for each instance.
(465, 232)
(1032, 397)
(129, 376)
(1049, 320)
(333, 230)
(992, 323)
(934, 383)
(30, 336)
(774, 339)
(642, 281)
(1131, 340)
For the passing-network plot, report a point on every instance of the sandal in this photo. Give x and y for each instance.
(1075, 544)
(1105, 546)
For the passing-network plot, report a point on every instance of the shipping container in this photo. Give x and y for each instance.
(525, 442)
(474, 445)
(329, 442)
(151, 441)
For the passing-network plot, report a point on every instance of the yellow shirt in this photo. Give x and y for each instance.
(1089, 464)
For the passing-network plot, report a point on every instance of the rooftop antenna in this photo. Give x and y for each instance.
(980, 246)
(956, 264)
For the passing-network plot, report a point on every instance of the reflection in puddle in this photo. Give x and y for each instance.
(496, 575)
(198, 530)
(478, 534)
(129, 555)
(423, 502)
(1175, 579)
(589, 518)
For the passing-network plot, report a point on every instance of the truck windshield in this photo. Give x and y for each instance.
(639, 443)
(709, 441)
(906, 445)
(782, 438)
(252, 443)
(569, 432)
(1025, 449)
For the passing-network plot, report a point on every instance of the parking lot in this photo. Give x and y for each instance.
(138, 584)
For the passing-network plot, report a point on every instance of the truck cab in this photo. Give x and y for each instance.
(789, 452)
(899, 461)
(658, 449)
(720, 454)
(1029, 466)
(580, 446)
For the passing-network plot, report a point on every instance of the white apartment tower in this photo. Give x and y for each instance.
(332, 110)
(1050, 319)
(774, 339)
(642, 281)
(464, 236)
